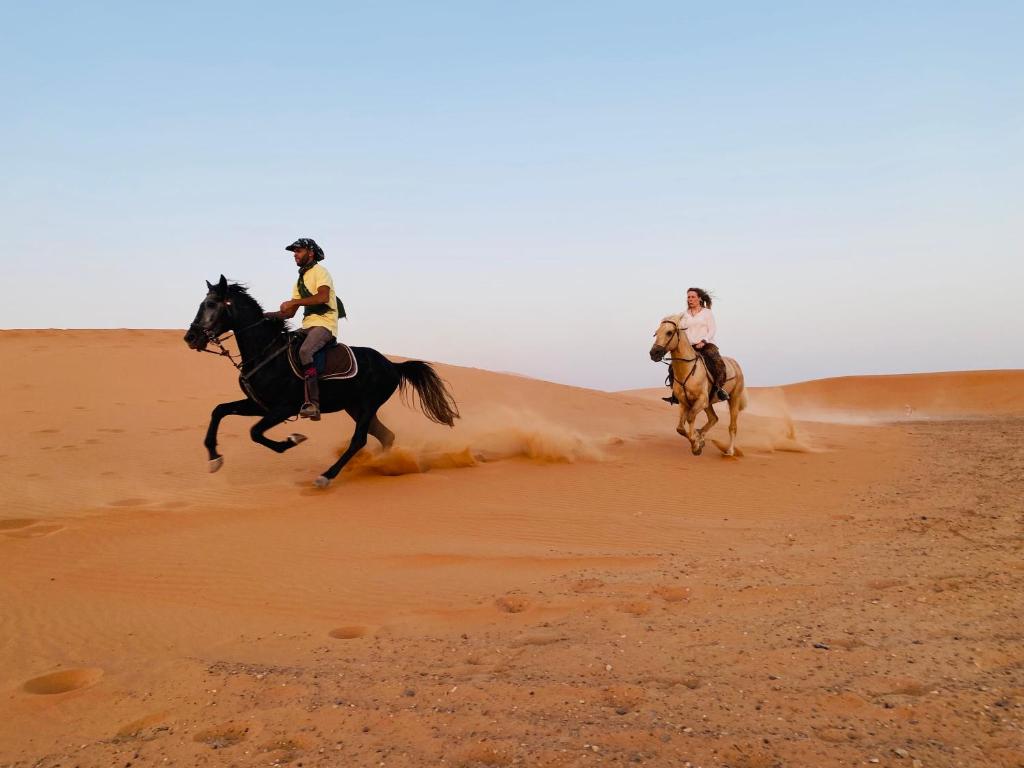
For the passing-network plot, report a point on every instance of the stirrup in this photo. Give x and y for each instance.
(723, 395)
(310, 411)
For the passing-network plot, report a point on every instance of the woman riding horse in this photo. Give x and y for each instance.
(700, 327)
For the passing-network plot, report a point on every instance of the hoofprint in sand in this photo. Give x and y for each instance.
(557, 582)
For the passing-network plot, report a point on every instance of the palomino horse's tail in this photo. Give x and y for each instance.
(435, 399)
(743, 399)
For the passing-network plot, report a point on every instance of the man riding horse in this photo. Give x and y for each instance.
(321, 309)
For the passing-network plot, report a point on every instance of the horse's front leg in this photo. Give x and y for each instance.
(712, 420)
(272, 419)
(236, 408)
(686, 428)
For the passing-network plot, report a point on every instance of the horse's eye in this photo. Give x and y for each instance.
(211, 305)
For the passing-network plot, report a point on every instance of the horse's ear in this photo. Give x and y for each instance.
(222, 287)
(209, 285)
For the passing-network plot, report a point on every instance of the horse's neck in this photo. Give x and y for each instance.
(685, 357)
(253, 337)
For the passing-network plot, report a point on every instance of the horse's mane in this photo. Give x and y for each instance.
(239, 292)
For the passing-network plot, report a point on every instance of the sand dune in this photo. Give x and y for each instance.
(862, 399)
(951, 395)
(555, 582)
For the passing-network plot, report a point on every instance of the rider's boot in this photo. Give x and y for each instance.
(311, 408)
(722, 394)
(671, 399)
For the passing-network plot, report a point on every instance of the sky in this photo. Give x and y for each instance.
(530, 186)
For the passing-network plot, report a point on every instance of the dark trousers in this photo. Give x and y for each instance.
(716, 365)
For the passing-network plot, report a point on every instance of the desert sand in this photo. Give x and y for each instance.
(555, 582)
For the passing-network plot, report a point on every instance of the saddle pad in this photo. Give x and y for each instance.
(336, 362)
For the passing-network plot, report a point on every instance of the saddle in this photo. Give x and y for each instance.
(335, 361)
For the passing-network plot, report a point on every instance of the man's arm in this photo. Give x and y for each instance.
(290, 307)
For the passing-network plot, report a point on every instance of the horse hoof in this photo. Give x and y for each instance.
(216, 464)
(322, 482)
(295, 438)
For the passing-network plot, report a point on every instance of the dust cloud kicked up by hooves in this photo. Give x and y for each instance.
(490, 435)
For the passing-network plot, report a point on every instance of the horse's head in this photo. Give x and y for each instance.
(213, 318)
(666, 338)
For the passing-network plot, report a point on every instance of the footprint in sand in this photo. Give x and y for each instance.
(587, 585)
(144, 728)
(895, 686)
(672, 594)
(221, 736)
(512, 604)
(34, 531)
(17, 522)
(635, 607)
(64, 681)
(538, 637)
(284, 749)
(848, 643)
(886, 583)
(51, 431)
(348, 633)
(836, 735)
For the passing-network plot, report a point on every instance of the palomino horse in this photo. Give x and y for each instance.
(691, 384)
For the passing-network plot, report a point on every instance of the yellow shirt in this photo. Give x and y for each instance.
(315, 277)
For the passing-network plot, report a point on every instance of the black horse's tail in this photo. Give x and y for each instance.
(435, 399)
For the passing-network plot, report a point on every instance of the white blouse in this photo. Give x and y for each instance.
(698, 327)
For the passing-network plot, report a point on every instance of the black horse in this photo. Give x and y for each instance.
(275, 394)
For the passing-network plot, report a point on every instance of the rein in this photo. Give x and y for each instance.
(218, 340)
(671, 378)
(263, 358)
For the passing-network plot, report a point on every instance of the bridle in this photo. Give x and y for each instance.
(671, 379)
(671, 359)
(261, 359)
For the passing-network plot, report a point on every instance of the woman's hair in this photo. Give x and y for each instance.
(704, 296)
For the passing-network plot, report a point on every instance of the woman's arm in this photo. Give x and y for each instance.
(712, 327)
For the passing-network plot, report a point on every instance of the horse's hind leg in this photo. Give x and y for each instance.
(363, 419)
(734, 417)
(382, 433)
